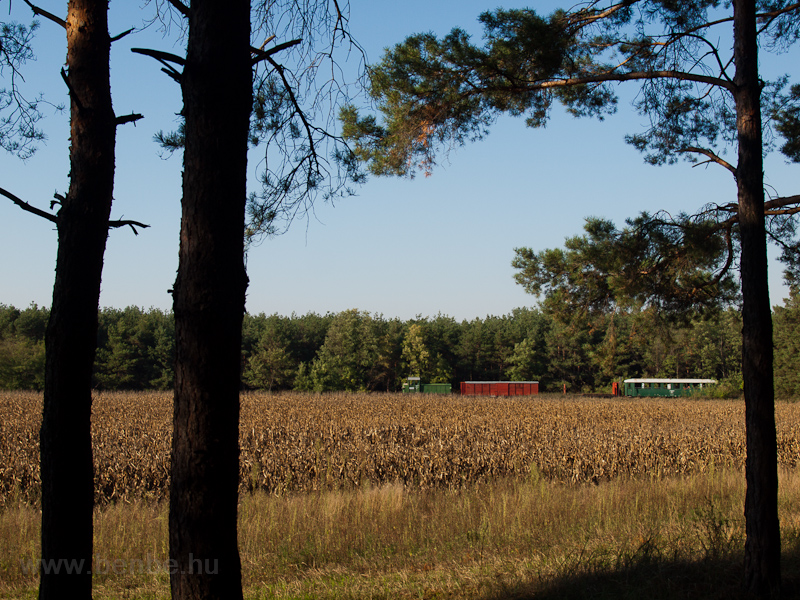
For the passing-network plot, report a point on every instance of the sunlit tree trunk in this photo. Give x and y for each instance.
(66, 446)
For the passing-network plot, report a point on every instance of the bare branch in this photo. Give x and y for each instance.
(786, 211)
(775, 207)
(122, 35)
(132, 224)
(715, 52)
(769, 17)
(266, 41)
(731, 207)
(164, 58)
(766, 16)
(48, 15)
(633, 76)
(729, 261)
(160, 56)
(779, 203)
(172, 74)
(712, 158)
(310, 136)
(72, 93)
(265, 54)
(180, 7)
(131, 118)
(583, 21)
(28, 208)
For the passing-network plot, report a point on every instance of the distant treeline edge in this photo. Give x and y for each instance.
(354, 350)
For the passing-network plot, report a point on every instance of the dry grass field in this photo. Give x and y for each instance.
(296, 442)
(408, 496)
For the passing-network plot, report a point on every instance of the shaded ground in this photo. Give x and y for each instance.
(655, 579)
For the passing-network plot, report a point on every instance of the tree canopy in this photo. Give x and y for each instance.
(436, 93)
(675, 270)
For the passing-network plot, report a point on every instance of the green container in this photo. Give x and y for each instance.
(436, 388)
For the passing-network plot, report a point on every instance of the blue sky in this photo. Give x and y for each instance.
(401, 248)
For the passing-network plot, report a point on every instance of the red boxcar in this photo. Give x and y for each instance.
(499, 388)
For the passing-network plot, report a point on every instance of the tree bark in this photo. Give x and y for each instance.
(762, 546)
(67, 470)
(209, 297)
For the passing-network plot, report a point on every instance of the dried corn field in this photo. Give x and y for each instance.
(302, 442)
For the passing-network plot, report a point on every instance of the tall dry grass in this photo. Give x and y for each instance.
(526, 537)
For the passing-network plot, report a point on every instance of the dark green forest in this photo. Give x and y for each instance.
(354, 350)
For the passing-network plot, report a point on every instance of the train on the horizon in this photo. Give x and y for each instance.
(473, 388)
(664, 387)
(645, 387)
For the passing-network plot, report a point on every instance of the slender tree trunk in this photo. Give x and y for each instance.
(66, 447)
(209, 297)
(762, 547)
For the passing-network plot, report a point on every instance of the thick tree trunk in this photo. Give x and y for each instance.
(763, 544)
(209, 297)
(66, 447)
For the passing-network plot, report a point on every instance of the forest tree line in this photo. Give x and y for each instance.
(355, 350)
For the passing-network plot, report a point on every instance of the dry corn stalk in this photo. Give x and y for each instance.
(294, 442)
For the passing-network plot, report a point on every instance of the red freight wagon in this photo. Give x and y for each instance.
(499, 388)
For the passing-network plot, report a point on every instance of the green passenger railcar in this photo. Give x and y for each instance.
(664, 387)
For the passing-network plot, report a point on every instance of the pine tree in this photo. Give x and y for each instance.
(438, 93)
